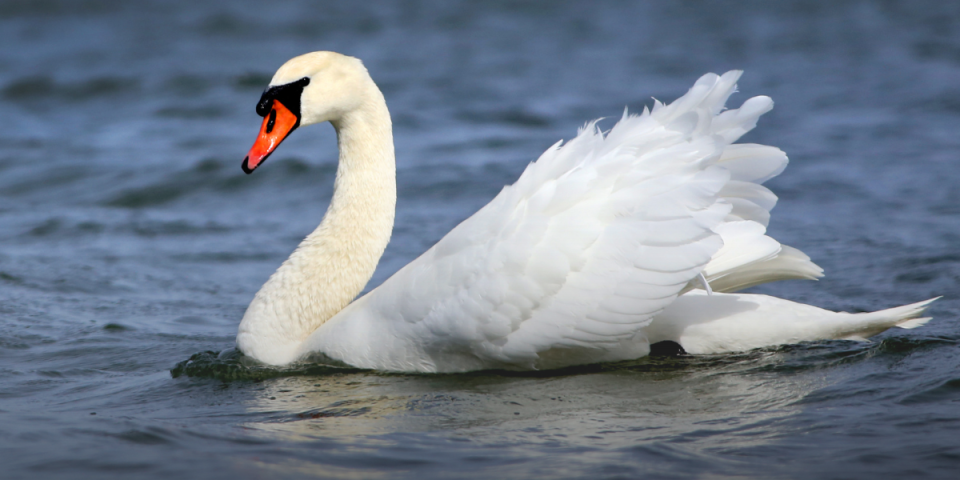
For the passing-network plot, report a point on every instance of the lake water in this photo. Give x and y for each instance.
(130, 239)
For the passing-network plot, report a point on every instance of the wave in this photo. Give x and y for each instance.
(43, 87)
(233, 365)
(215, 175)
(61, 227)
(941, 391)
(47, 8)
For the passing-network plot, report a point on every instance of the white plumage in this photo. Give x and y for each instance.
(595, 251)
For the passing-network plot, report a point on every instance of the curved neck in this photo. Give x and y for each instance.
(333, 264)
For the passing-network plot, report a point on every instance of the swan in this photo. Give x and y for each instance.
(604, 245)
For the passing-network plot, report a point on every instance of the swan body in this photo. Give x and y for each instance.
(603, 246)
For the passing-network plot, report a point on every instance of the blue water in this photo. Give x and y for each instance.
(130, 240)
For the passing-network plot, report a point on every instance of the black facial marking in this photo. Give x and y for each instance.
(273, 119)
(287, 94)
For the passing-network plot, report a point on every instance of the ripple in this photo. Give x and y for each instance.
(6, 277)
(213, 175)
(187, 85)
(252, 81)
(147, 436)
(44, 8)
(945, 391)
(116, 328)
(232, 365)
(346, 408)
(203, 111)
(901, 345)
(41, 87)
(516, 117)
(58, 226)
(175, 227)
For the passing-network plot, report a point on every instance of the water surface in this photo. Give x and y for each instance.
(130, 240)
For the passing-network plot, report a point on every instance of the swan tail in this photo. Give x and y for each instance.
(914, 322)
(905, 316)
(725, 323)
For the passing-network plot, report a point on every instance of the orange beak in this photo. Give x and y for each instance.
(276, 126)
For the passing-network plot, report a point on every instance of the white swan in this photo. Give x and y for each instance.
(598, 250)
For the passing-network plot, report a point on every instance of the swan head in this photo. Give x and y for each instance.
(312, 88)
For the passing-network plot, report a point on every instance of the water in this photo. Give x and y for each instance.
(130, 240)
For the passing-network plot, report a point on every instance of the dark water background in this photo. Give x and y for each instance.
(131, 240)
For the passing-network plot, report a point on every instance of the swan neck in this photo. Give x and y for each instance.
(334, 263)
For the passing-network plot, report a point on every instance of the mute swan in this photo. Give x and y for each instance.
(603, 245)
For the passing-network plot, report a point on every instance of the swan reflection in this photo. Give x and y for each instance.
(698, 402)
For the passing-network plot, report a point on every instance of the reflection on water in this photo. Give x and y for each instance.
(728, 414)
(686, 402)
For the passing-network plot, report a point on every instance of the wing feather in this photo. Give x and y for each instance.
(593, 240)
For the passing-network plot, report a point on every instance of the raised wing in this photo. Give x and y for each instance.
(595, 238)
